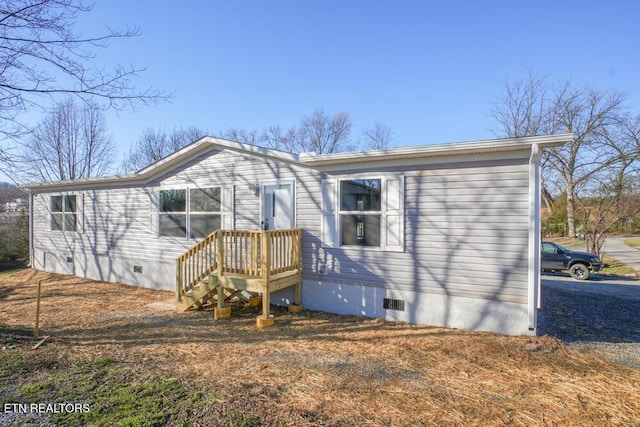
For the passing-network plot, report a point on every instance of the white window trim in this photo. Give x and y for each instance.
(331, 225)
(79, 212)
(379, 213)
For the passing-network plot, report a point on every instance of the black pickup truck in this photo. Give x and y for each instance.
(578, 264)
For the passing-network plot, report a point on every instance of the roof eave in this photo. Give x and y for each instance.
(458, 148)
(207, 143)
(147, 174)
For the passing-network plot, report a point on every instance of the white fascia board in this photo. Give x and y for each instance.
(89, 182)
(458, 148)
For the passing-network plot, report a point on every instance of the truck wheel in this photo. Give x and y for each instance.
(579, 271)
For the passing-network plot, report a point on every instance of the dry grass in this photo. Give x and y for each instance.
(634, 243)
(322, 369)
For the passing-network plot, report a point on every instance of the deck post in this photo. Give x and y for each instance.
(178, 281)
(265, 247)
(297, 298)
(220, 262)
(297, 254)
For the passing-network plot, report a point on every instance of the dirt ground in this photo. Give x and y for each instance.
(315, 368)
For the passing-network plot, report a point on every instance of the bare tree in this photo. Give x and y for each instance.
(241, 135)
(318, 132)
(377, 137)
(324, 134)
(612, 194)
(70, 143)
(602, 209)
(522, 110)
(277, 138)
(589, 114)
(42, 57)
(530, 108)
(154, 145)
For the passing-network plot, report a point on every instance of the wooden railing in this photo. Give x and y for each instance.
(196, 264)
(239, 252)
(252, 253)
(281, 251)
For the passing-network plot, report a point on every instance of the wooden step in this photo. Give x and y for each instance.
(198, 294)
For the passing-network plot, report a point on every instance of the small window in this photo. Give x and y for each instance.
(64, 215)
(360, 212)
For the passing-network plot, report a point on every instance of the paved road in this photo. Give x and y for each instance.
(616, 248)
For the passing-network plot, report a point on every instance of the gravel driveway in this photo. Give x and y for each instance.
(602, 314)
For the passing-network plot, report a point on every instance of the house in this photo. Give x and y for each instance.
(444, 235)
(17, 205)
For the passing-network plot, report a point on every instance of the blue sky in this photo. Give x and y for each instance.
(429, 70)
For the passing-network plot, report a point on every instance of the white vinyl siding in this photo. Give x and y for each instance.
(122, 229)
(452, 228)
(463, 230)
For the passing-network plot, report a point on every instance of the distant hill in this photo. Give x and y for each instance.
(9, 192)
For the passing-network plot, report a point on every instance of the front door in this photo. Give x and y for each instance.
(277, 206)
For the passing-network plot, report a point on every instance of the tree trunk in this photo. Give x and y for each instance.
(571, 210)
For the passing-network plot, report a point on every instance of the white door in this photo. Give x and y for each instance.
(277, 206)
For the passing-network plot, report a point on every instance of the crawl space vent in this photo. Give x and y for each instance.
(137, 269)
(70, 260)
(393, 304)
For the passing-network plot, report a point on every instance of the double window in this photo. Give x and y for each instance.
(364, 211)
(193, 213)
(64, 213)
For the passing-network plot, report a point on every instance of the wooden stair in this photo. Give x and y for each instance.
(204, 291)
(241, 263)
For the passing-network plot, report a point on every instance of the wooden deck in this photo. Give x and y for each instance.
(249, 260)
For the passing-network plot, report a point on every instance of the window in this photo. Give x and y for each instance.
(360, 212)
(204, 207)
(64, 216)
(193, 213)
(364, 211)
(173, 213)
